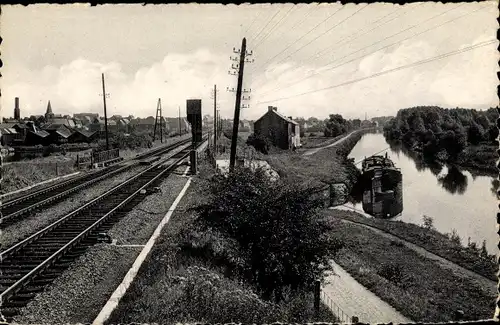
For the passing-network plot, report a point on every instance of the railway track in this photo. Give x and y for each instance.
(17, 208)
(27, 267)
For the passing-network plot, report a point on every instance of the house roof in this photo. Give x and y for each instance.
(85, 133)
(285, 118)
(7, 131)
(64, 133)
(40, 133)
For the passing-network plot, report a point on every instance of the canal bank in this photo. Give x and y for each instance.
(454, 199)
(418, 284)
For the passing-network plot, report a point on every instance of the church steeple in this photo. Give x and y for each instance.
(49, 114)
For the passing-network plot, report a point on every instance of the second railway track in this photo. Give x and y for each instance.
(15, 209)
(28, 266)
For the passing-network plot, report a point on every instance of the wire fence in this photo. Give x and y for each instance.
(336, 310)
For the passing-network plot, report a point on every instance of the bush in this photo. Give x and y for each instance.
(283, 243)
(260, 143)
(428, 222)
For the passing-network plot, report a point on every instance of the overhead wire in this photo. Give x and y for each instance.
(295, 42)
(324, 33)
(268, 22)
(321, 53)
(414, 64)
(272, 29)
(365, 55)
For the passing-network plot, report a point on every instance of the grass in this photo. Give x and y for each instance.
(25, 173)
(329, 165)
(317, 141)
(173, 286)
(433, 241)
(417, 287)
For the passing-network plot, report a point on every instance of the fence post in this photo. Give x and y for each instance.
(317, 294)
(57, 171)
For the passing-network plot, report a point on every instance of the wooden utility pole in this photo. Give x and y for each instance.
(180, 127)
(236, 120)
(215, 117)
(105, 112)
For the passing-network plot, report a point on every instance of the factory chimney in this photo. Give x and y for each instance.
(17, 110)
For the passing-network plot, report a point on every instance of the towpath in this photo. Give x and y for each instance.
(486, 284)
(313, 151)
(356, 300)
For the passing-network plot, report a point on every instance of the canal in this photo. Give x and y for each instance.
(454, 198)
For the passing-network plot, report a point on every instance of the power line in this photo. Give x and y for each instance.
(293, 43)
(269, 21)
(304, 17)
(272, 29)
(365, 55)
(321, 53)
(465, 49)
(321, 35)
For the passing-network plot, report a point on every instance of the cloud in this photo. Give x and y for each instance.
(466, 80)
(77, 87)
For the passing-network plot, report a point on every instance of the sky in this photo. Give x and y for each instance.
(307, 60)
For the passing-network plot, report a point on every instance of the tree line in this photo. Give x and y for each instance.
(441, 133)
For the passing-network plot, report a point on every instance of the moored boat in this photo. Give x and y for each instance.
(382, 187)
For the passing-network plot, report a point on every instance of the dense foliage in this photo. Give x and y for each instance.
(259, 142)
(337, 125)
(278, 241)
(442, 134)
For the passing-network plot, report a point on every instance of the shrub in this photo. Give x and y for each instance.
(428, 222)
(260, 143)
(282, 240)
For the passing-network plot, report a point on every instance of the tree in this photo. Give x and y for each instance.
(260, 143)
(475, 133)
(356, 123)
(282, 239)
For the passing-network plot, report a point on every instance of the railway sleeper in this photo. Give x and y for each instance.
(9, 312)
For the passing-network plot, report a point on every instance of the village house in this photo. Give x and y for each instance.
(283, 132)
(81, 136)
(58, 132)
(36, 136)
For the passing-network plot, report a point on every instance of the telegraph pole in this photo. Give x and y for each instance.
(105, 112)
(180, 128)
(215, 116)
(236, 120)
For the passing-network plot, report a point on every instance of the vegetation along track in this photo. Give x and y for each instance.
(13, 210)
(28, 266)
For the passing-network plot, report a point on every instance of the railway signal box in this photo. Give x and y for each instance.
(194, 118)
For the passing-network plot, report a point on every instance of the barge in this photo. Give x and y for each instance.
(382, 187)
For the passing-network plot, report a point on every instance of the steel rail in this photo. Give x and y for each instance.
(53, 258)
(86, 180)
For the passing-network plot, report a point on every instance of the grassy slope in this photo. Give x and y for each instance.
(431, 240)
(20, 174)
(423, 291)
(172, 287)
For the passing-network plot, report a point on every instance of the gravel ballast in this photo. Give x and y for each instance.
(82, 290)
(31, 224)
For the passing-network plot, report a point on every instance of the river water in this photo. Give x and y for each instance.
(454, 198)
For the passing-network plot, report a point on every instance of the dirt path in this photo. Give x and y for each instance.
(487, 284)
(356, 300)
(313, 151)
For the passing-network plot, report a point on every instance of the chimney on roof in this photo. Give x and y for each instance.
(17, 110)
(270, 108)
(275, 108)
(290, 118)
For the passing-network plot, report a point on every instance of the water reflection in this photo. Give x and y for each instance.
(454, 181)
(455, 198)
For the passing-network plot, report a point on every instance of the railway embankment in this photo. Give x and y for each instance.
(176, 284)
(38, 220)
(78, 295)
